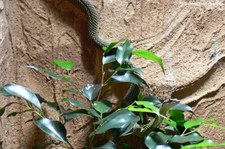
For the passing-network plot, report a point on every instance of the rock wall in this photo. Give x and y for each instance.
(188, 34)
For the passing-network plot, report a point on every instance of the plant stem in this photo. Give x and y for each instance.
(102, 83)
(184, 134)
(92, 138)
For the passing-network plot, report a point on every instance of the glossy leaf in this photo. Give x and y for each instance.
(194, 137)
(70, 114)
(150, 142)
(157, 140)
(124, 52)
(170, 123)
(112, 45)
(205, 143)
(148, 55)
(53, 105)
(102, 106)
(120, 119)
(41, 99)
(3, 92)
(52, 128)
(91, 90)
(22, 92)
(126, 128)
(64, 64)
(195, 123)
(169, 129)
(129, 77)
(182, 107)
(74, 102)
(50, 73)
(154, 100)
(106, 145)
(94, 112)
(109, 57)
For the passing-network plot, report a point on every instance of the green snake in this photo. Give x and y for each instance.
(93, 19)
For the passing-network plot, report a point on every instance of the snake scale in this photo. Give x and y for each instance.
(93, 19)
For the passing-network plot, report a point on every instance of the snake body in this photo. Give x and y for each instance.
(134, 89)
(93, 19)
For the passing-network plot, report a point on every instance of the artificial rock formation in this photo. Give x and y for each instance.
(188, 35)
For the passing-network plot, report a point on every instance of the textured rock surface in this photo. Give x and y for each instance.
(188, 34)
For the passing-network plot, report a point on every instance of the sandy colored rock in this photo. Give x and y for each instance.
(188, 35)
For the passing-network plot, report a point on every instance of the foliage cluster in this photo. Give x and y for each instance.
(159, 124)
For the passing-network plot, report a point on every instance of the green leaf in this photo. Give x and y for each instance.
(194, 137)
(102, 106)
(129, 77)
(51, 74)
(53, 105)
(106, 145)
(94, 112)
(52, 128)
(150, 142)
(205, 143)
(177, 116)
(182, 107)
(148, 105)
(64, 64)
(91, 90)
(109, 57)
(22, 92)
(170, 123)
(154, 100)
(190, 124)
(134, 109)
(157, 140)
(122, 119)
(74, 102)
(3, 92)
(112, 45)
(126, 128)
(124, 52)
(149, 56)
(70, 114)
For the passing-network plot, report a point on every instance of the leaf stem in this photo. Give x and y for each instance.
(102, 82)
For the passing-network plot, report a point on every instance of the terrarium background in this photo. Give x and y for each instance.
(188, 35)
